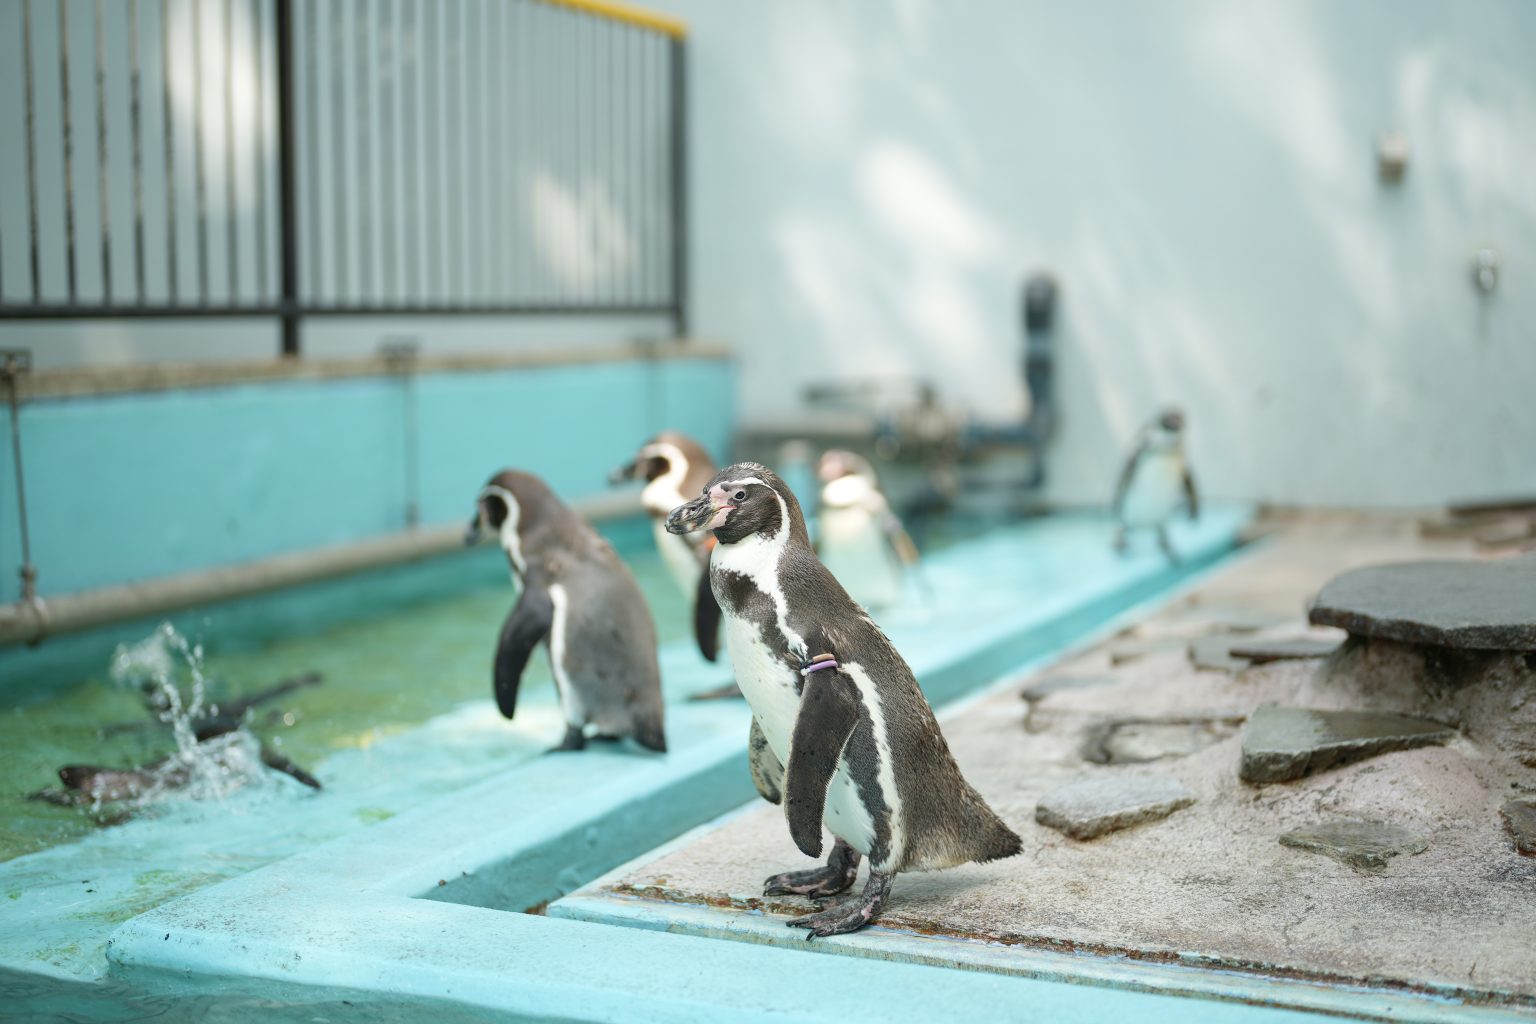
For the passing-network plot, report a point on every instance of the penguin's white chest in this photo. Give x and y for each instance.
(854, 549)
(767, 681)
(1156, 490)
(679, 556)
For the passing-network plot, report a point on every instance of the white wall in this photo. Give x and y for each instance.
(871, 180)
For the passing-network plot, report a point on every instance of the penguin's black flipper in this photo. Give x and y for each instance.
(706, 619)
(767, 772)
(524, 629)
(1190, 495)
(1128, 471)
(829, 710)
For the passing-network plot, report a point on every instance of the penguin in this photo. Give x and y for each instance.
(841, 733)
(674, 466)
(860, 540)
(580, 601)
(1154, 482)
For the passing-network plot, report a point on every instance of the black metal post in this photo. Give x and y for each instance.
(679, 187)
(288, 178)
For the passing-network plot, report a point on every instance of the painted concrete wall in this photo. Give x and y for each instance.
(871, 181)
(135, 486)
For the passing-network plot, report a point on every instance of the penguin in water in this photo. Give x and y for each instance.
(580, 601)
(1154, 482)
(841, 732)
(860, 540)
(674, 467)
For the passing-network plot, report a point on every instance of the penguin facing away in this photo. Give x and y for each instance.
(860, 540)
(580, 601)
(841, 732)
(1155, 482)
(676, 467)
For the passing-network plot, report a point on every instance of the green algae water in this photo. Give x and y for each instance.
(380, 676)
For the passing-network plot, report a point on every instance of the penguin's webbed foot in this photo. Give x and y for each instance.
(848, 915)
(574, 740)
(831, 878)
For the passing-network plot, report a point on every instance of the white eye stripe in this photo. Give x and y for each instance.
(742, 483)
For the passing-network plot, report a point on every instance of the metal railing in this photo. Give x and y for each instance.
(298, 158)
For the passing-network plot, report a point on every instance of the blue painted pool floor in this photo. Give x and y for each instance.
(299, 888)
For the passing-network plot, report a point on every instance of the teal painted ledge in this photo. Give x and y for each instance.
(134, 486)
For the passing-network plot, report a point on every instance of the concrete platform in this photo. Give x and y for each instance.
(1206, 901)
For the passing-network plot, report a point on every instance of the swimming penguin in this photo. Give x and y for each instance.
(675, 467)
(579, 600)
(841, 732)
(860, 540)
(1154, 482)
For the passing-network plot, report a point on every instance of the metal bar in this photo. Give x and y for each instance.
(388, 49)
(312, 136)
(439, 153)
(288, 230)
(168, 122)
(679, 140)
(414, 219)
(199, 170)
(12, 365)
(362, 52)
(136, 128)
(145, 312)
(101, 158)
(338, 194)
(69, 167)
(26, 58)
(233, 246)
(457, 129)
(258, 27)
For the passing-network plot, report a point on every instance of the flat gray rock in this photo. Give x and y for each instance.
(1286, 743)
(1520, 817)
(1132, 648)
(1290, 648)
(1138, 740)
(1092, 807)
(1042, 688)
(1363, 845)
(1214, 654)
(1486, 606)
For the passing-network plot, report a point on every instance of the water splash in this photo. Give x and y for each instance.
(166, 669)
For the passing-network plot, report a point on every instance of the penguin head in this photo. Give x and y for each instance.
(741, 501)
(1166, 433)
(668, 463)
(506, 507)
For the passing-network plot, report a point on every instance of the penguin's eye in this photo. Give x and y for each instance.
(740, 496)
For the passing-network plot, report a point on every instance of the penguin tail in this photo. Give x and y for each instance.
(1000, 842)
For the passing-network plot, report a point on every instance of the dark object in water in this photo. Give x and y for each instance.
(88, 785)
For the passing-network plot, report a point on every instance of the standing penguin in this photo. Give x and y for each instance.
(1155, 482)
(579, 600)
(860, 540)
(674, 466)
(841, 732)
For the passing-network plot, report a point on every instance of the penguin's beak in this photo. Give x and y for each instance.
(623, 473)
(691, 517)
(473, 533)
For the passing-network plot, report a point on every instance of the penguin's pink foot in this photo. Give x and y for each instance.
(831, 878)
(848, 915)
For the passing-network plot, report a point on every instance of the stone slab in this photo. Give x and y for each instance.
(1092, 807)
(1363, 845)
(1214, 654)
(1138, 740)
(1470, 605)
(1520, 818)
(1283, 743)
(1261, 652)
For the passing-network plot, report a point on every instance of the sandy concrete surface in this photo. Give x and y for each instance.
(1212, 879)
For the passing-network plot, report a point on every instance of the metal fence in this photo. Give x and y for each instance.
(293, 158)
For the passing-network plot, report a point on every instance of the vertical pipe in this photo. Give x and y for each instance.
(338, 193)
(101, 159)
(69, 155)
(287, 173)
(312, 138)
(172, 267)
(12, 366)
(679, 140)
(136, 129)
(388, 47)
(229, 152)
(200, 178)
(26, 58)
(413, 210)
